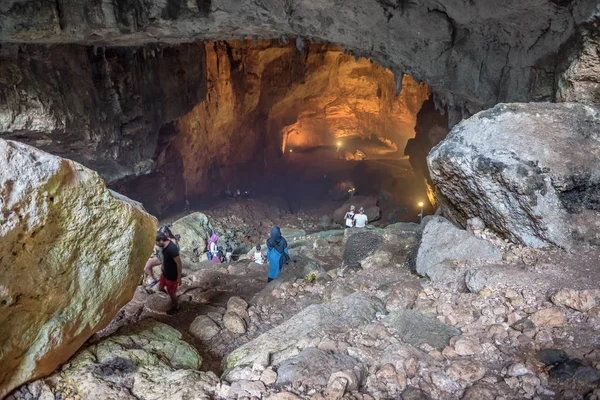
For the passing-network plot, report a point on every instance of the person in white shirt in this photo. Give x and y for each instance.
(349, 217)
(361, 220)
(259, 258)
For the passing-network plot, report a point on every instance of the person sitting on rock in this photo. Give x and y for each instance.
(259, 257)
(156, 258)
(361, 220)
(220, 255)
(170, 279)
(349, 217)
(277, 253)
(228, 253)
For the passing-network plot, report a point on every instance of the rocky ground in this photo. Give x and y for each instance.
(349, 318)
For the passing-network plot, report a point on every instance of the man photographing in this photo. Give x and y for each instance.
(171, 269)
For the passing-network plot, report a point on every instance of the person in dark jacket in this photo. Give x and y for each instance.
(277, 253)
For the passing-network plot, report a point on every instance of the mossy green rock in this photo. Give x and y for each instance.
(71, 255)
(148, 360)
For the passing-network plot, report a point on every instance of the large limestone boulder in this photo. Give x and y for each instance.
(529, 171)
(71, 255)
(442, 241)
(195, 230)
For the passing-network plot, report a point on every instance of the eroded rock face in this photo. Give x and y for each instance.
(102, 107)
(440, 42)
(529, 171)
(71, 255)
(580, 82)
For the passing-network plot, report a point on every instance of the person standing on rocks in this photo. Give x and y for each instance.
(361, 220)
(212, 246)
(277, 253)
(171, 269)
(156, 258)
(349, 217)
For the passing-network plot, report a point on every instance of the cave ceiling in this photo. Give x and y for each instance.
(473, 53)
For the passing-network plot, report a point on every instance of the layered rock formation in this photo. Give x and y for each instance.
(103, 107)
(529, 171)
(71, 255)
(474, 54)
(581, 81)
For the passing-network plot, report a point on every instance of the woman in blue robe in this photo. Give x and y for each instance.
(277, 253)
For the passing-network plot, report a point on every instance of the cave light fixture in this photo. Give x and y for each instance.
(421, 213)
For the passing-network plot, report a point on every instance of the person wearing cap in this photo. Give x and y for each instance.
(361, 220)
(349, 217)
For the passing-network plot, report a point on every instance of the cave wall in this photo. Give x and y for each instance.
(99, 106)
(343, 97)
(473, 54)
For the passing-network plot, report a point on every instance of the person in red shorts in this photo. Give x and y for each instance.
(171, 269)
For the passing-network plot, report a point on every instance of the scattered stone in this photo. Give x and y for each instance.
(551, 356)
(283, 396)
(403, 295)
(244, 389)
(336, 388)
(204, 328)
(523, 325)
(417, 329)
(467, 347)
(246, 374)
(443, 382)
(518, 369)
(234, 323)
(580, 300)
(413, 393)
(548, 317)
(475, 224)
(480, 391)
(313, 367)
(268, 377)
(466, 372)
(237, 305)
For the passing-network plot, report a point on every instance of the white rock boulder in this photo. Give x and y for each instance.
(71, 255)
(529, 171)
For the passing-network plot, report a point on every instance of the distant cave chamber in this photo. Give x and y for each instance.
(169, 125)
(273, 113)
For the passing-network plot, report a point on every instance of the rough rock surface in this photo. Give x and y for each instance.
(417, 329)
(313, 367)
(580, 83)
(519, 45)
(516, 166)
(102, 107)
(442, 241)
(72, 254)
(141, 358)
(305, 329)
(195, 230)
